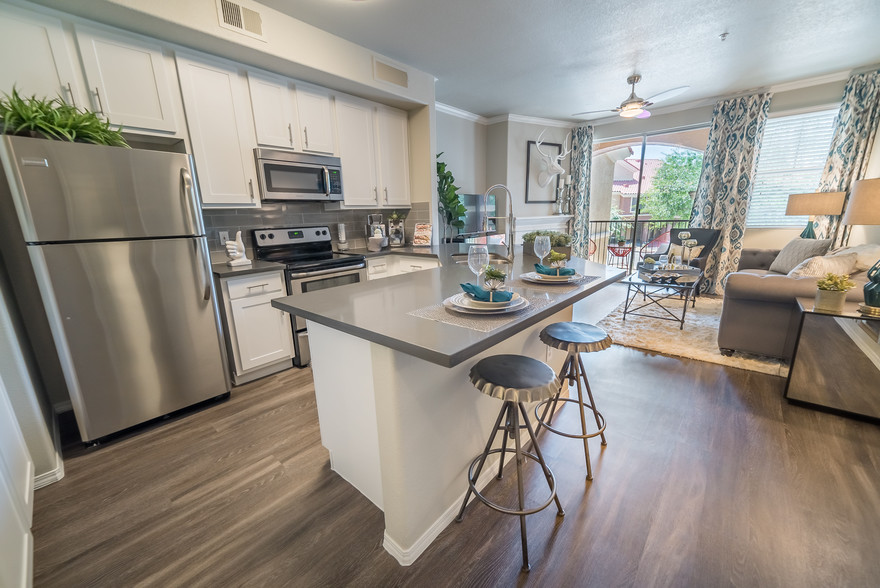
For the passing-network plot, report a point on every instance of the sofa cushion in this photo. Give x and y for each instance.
(680, 251)
(820, 265)
(868, 255)
(796, 251)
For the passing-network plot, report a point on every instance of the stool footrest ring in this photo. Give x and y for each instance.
(549, 473)
(563, 433)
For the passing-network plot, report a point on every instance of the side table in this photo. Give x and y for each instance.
(836, 362)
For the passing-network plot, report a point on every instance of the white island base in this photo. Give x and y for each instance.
(403, 430)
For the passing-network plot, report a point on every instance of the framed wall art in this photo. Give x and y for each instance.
(535, 165)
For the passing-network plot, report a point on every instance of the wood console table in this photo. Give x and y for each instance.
(836, 362)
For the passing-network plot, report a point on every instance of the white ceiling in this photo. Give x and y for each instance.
(551, 58)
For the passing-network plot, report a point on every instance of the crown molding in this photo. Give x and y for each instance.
(531, 120)
(458, 112)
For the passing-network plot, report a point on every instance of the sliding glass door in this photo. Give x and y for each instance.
(640, 188)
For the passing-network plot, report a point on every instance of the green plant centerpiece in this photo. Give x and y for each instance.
(494, 278)
(55, 119)
(831, 292)
(450, 207)
(557, 259)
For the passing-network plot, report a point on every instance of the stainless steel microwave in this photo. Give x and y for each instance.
(287, 176)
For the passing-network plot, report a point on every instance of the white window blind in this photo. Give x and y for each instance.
(793, 153)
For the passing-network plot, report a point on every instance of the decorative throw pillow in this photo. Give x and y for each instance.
(818, 266)
(868, 254)
(796, 251)
(679, 250)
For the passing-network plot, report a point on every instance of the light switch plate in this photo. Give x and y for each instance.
(224, 237)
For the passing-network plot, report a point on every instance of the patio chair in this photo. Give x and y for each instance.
(654, 245)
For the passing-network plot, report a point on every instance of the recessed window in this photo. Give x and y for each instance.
(793, 152)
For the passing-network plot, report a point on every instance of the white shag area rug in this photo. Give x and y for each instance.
(698, 339)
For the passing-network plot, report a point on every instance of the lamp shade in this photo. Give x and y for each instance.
(864, 203)
(815, 203)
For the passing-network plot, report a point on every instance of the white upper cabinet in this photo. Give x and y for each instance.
(357, 150)
(373, 146)
(272, 102)
(391, 125)
(36, 58)
(128, 79)
(315, 119)
(218, 114)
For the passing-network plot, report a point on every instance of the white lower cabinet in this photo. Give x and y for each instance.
(386, 266)
(259, 335)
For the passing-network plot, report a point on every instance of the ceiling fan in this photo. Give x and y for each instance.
(635, 107)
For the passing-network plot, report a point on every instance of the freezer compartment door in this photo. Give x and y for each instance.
(135, 326)
(81, 192)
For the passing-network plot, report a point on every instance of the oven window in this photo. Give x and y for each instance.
(319, 283)
(289, 178)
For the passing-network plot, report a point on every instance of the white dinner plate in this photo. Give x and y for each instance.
(537, 278)
(463, 300)
(523, 303)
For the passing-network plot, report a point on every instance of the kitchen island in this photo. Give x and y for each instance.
(395, 407)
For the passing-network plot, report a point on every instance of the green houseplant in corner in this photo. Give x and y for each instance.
(54, 119)
(831, 292)
(450, 207)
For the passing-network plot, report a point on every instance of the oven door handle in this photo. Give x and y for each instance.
(346, 270)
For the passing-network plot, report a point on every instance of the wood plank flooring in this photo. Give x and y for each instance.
(709, 478)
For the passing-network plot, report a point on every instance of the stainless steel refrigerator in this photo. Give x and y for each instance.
(106, 251)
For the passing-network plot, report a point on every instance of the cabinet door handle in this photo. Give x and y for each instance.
(386, 195)
(258, 286)
(306, 133)
(72, 97)
(98, 96)
(376, 193)
(290, 133)
(251, 188)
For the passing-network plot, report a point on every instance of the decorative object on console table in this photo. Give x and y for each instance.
(236, 253)
(812, 205)
(831, 292)
(864, 209)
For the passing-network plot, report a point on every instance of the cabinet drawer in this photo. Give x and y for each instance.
(255, 285)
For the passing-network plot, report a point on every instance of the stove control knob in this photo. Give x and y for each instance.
(271, 235)
(323, 232)
(317, 233)
(262, 236)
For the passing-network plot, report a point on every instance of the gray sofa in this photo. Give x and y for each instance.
(759, 314)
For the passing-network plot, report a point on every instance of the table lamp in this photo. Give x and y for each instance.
(812, 204)
(864, 209)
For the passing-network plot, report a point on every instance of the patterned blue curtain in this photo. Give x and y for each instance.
(855, 129)
(581, 159)
(725, 187)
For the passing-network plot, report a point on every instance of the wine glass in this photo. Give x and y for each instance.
(478, 259)
(542, 247)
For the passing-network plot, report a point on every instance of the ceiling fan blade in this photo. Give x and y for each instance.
(645, 114)
(667, 94)
(596, 111)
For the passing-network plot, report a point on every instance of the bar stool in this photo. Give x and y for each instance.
(515, 379)
(575, 338)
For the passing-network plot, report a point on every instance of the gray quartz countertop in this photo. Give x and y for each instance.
(221, 270)
(377, 310)
(406, 250)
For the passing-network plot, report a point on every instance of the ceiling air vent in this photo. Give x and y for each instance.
(235, 17)
(388, 73)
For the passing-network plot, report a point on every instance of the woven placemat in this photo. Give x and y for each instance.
(478, 322)
(564, 288)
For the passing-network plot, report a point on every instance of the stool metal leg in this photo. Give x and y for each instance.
(583, 420)
(547, 473)
(514, 417)
(504, 436)
(592, 402)
(564, 374)
(504, 411)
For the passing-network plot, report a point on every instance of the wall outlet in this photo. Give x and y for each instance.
(224, 237)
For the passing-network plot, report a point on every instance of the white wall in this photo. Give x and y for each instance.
(463, 142)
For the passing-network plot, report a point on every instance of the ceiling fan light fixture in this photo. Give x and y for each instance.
(631, 111)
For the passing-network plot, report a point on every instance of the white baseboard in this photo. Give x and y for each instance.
(57, 474)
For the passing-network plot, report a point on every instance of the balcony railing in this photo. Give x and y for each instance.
(645, 238)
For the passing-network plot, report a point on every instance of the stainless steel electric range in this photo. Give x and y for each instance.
(311, 265)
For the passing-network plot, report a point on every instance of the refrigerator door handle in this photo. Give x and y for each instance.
(204, 270)
(189, 202)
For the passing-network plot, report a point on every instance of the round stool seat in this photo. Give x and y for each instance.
(516, 378)
(575, 337)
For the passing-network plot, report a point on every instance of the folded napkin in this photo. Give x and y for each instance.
(551, 271)
(478, 293)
